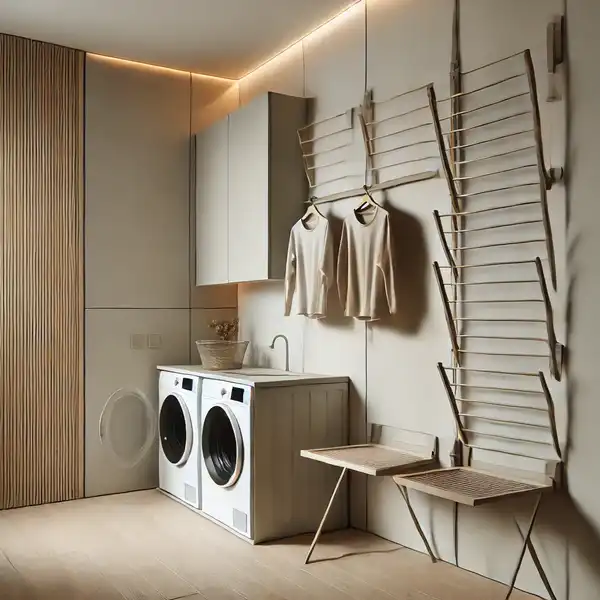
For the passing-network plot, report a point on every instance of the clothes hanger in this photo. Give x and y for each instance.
(312, 211)
(367, 201)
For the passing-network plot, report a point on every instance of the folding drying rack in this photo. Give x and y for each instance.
(545, 177)
(479, 407)
(555, 350)
(343, 124)
(381, 457)
(405, 150)
(338, 128)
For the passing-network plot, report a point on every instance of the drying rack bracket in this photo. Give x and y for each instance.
(556, 175)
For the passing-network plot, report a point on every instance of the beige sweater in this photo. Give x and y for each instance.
(309, 269)
(365, 270)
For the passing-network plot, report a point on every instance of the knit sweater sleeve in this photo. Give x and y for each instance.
(290, 274)
(327, 267)
(326, 271)
(342, 268)
(386, 264)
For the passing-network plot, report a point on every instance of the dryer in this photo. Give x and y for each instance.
(254, 423)
(179, 436)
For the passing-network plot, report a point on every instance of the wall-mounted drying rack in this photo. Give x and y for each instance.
(488, 481)
(335, 126)
(401, 135)
(484, 160)
(389, 451)
(311, 164)
(545, 177)
(555, 350)
(465, 430)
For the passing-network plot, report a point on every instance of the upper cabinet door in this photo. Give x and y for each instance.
(211, 204)
(249, 192)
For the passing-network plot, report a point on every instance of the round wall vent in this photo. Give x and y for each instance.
(127, 427)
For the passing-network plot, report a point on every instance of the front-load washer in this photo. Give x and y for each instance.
(179, 435)
(226, 465)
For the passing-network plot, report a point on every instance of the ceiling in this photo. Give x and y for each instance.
(226, 38)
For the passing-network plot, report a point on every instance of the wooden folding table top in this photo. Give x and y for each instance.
(467, 485)
(371, 459)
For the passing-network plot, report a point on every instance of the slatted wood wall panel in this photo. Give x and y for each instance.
(41, 272)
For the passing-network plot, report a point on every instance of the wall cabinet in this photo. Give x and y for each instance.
(250, 189)
(211, 204)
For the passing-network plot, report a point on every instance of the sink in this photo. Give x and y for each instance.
(262, 372)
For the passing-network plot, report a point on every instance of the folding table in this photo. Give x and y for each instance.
(400, 451)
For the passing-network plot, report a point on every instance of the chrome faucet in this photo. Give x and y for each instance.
(287, 349)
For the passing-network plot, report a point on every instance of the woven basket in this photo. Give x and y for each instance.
(221, 355)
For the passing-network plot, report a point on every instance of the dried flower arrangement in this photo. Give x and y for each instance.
(226, 330)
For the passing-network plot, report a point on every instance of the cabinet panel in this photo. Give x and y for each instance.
(211, 204)
(121, 393)
(249, 192)
(137, 196)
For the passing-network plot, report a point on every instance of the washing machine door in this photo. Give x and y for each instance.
(222, 445)
(175, 429)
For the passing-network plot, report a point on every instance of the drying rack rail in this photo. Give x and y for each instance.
(377, 187)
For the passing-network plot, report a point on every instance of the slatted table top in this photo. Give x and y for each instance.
(466, 485)
(371, 459)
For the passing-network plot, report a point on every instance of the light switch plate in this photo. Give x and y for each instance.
(154, 341)
(137, 341)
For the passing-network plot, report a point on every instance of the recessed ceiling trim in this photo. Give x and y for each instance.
(303, 37)
(158, 67)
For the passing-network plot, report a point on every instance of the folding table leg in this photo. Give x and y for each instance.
(524, 546)
(538, 564)
(318, 534)
(404, 493)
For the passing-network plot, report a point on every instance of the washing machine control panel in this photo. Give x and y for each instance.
(237, 394)
(225, 390)
(187, 383)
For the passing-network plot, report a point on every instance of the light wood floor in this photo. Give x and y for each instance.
(144, 546)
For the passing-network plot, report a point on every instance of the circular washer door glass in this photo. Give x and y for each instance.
(222, 446)
(127, 427)
(175, 430)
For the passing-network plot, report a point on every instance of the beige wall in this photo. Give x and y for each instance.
(139, 244)
(393, 47)
(584, 297)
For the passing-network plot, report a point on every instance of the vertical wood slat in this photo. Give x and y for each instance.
(41, 272)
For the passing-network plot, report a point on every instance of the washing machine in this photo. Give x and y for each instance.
(179, 436)
(226, 465)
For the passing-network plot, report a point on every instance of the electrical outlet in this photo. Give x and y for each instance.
(137, 341)
(154, 341)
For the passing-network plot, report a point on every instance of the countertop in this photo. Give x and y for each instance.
(256, 376)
